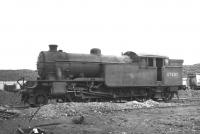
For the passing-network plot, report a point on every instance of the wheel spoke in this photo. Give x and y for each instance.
(41, 99)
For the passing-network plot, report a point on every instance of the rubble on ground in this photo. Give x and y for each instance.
(78, 119)
(74, 109)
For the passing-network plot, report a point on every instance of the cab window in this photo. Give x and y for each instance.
(150, 62)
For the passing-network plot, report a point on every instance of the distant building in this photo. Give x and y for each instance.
(2, 83)
(193, 81)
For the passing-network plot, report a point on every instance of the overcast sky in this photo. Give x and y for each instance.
(164, 27)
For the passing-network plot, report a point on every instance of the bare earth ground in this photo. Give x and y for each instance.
(109, 118)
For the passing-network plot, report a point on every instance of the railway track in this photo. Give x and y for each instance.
(182, 102)
(7, 115)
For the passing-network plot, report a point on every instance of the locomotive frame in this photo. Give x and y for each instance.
(94, 77)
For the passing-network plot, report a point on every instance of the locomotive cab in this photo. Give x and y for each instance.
(155, 62)
(167, 71)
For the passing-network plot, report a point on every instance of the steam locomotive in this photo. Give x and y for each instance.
(96, 77)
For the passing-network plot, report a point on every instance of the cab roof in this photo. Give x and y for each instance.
(153, 56)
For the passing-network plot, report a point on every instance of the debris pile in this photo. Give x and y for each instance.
(55, 110)
(74, 109)
(78, 119)
(135, 104)
(30, 131)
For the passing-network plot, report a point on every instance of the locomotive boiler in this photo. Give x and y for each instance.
(96, 77)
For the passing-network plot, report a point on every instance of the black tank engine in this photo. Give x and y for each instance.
(96, 77)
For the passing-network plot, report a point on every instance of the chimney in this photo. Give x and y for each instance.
(53, 47)
(95, 51)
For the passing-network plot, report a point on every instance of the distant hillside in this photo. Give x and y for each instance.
(13, 75)
(191, 69)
